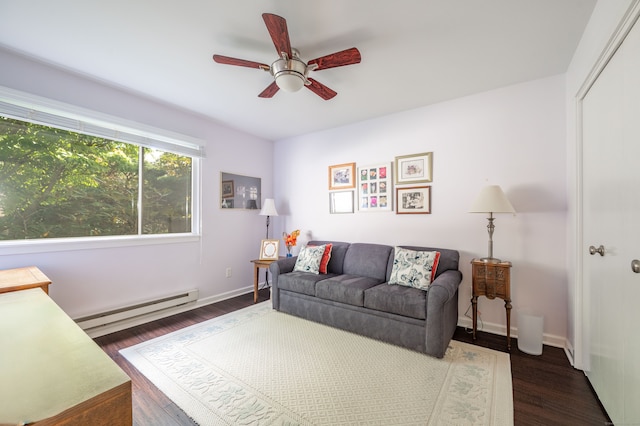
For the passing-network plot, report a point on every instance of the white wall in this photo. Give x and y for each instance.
(89, 281)
(513, 137)
(606, 17)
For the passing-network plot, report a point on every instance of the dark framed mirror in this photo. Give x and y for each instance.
(240, 192)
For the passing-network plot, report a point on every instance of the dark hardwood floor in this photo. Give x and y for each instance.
(546, 389)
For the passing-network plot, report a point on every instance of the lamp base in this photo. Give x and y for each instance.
(490, 260)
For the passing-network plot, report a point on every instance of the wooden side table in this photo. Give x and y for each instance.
(257, 264)
(491, 280)
(23, 278)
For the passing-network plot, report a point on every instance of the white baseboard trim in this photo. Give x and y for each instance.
(569, 351)
(143, 319)
(501, 330)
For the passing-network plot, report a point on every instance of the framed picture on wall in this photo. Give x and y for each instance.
(342, 176)
(269, 249)
(341, 202)
(415, 168)
(374, 188)
(413, 200)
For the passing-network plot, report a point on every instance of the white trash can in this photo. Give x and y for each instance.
(530, 330)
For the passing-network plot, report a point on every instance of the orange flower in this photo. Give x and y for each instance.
(291, 239)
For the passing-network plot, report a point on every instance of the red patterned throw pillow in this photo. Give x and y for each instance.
(325, 258)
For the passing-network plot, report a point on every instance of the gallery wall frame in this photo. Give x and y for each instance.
(413, 200)
(414, 168)
(341, 202)
(342, 176)
(375, 192)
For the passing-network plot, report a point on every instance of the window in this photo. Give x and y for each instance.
(57, 182)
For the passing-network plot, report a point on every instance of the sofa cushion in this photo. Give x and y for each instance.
(396, 299)
(367, 260)
(344, 288)
(309, 259)
(414, 268)
(300, 282)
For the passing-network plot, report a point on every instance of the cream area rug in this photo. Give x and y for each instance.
(258, 366)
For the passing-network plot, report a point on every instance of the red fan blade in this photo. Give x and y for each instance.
(321, 90)
(277, 27)
(239, 62)
(338, 59)
(271, 90)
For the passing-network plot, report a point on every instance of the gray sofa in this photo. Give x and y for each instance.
(354, 296)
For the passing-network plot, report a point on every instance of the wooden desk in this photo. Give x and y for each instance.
(51, 372)
(257, 264)
(491, 280)
(23, 278)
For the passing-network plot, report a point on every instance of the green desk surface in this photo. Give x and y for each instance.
(47, 363)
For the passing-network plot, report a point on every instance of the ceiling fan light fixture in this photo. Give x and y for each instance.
(290, 74)
(288, 71)
(290, 81)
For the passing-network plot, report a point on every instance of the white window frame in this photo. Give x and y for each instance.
(39, 110)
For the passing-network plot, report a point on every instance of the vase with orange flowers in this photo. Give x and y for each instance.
(290, 240)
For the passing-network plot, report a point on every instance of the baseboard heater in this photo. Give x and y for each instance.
(134, 311)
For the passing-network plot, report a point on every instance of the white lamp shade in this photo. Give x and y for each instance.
(492, 200)
(289, 82)
(269, 208)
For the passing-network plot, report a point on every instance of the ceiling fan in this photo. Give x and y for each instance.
(289, 71)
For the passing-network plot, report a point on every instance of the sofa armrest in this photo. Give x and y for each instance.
(444, 287)
(281, 266)
(442, 311)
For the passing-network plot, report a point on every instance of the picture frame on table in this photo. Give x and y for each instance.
(414, 168)
(341, 202)
(413, 200)
(375, 192)
(269, 249)
(342, 176)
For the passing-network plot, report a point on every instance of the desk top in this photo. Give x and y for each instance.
(47, 363)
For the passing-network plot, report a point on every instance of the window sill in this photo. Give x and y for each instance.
(14, 247)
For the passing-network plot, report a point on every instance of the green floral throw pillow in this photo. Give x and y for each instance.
(309, 259)
(414, 268)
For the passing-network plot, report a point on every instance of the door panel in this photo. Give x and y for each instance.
(630, 246)
(611, 210)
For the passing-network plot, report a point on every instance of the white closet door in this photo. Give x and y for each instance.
(611, 213)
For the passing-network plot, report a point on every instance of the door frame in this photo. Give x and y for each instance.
(580, 327)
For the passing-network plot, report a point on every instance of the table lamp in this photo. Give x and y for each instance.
(268, 209)
(491, 200)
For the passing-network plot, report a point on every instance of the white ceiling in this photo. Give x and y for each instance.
(414, 52)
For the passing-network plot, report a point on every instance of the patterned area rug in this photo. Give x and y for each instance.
(257, 366)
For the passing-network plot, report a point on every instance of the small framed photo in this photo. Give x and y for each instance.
(227, 189)
(342, 176)
(341, 202)
(269, 249)
(415, 168)
(374, 188)
(413, 200)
